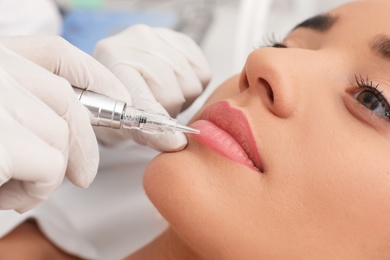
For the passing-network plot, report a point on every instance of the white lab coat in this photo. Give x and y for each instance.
(110, 219)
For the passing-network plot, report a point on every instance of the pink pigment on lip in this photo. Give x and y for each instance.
(227, 131)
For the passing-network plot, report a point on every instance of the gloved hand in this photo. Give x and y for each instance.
(164, 71)
(45, 131)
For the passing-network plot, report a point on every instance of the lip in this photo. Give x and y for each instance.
(226, 130)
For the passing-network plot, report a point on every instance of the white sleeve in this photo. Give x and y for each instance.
(54, 224)
(25, 17)
(109, 220)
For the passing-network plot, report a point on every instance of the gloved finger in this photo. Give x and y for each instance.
(192, 72)
(166, 73)
(60, 57)
(162, 142)
(150, 88)
(31, 113)
(190, 50)
(19, 138)
(39, 166)
(159, 142)
(58, 95)
(144, 99)
(20, 200)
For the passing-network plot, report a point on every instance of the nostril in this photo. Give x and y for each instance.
(268, 89)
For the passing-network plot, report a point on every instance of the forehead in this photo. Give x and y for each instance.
(372, 16)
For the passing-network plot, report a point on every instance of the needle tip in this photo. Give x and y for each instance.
(186, 129)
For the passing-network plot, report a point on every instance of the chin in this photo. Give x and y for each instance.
(164, 178)
(176, 184)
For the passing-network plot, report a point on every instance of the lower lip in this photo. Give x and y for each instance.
(221, 142)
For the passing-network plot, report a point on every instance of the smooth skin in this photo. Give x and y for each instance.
(325, 146)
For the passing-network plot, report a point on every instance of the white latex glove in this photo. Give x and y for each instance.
(45, 131)
(163, 70)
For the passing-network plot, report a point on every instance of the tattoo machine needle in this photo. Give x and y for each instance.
(116, 114)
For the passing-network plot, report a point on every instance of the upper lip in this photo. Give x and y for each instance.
(234, 122)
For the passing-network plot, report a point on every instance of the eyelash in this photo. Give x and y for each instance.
(366, 84)
(271, 41)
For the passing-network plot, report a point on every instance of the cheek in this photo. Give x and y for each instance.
(335, 186)
(328, 181)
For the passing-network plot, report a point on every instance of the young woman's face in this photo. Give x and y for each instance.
(293, 160)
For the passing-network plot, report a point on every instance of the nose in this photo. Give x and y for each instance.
(275, 76)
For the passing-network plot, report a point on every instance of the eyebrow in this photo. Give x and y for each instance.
(321, 22)
(381, 45)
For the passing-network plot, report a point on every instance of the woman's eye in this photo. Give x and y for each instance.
(368, 99)
(371, 98)
(271, 41)
(279, 45)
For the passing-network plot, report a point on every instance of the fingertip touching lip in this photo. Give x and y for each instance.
(226, 130)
